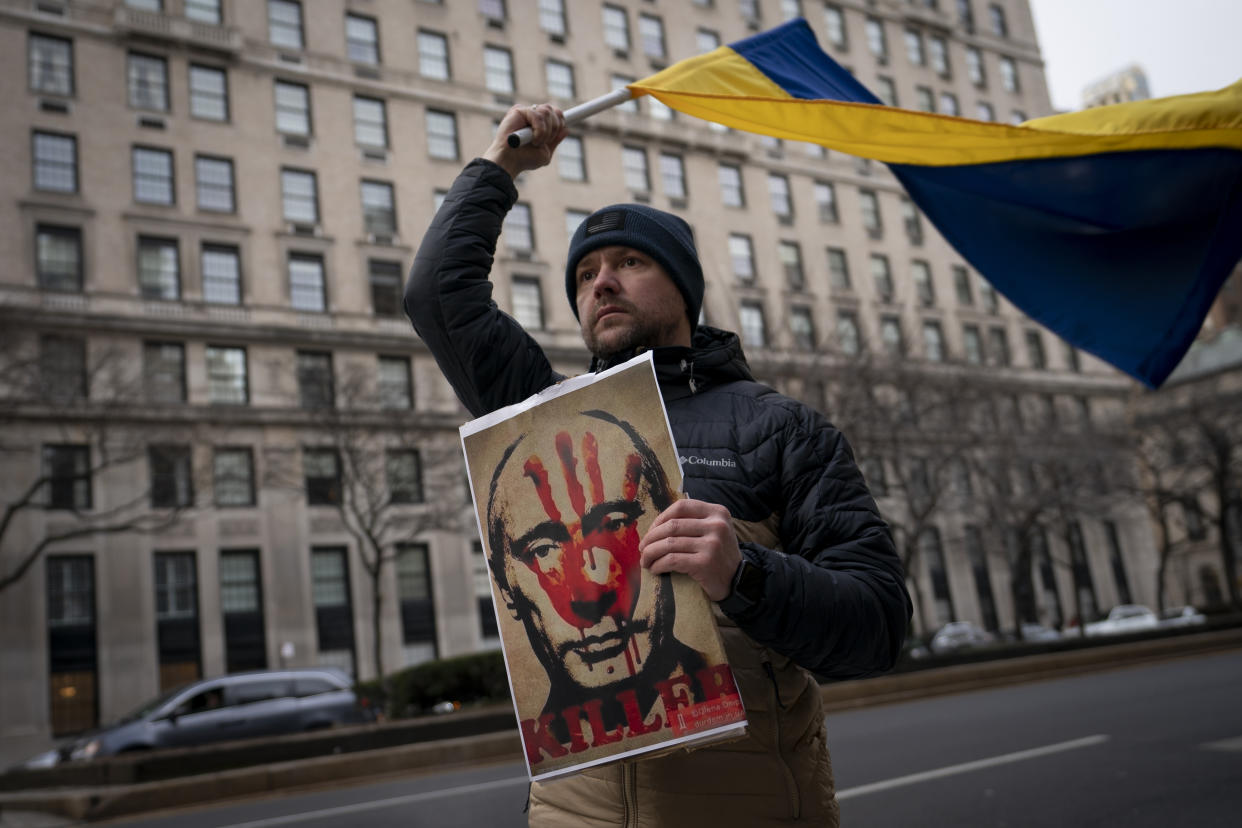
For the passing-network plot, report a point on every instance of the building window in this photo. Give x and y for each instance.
(914, 47)
(292, 108)
(527, 303)
(948, 104)
(405, 476)
(923, 99)
(802, 326)
(379, 217)
(159, 268)
(176, 600)
(673, 175)
(731, 191)
(972, 344)
(933, 341)
(362, 39)
(975, 68)
(306, 282)
(163, 372)
(826, 201)
(659, 111)
(984, 111)
(571, 159)
(1117, 561)
(616, 29)
(148, 82)
(433, 55)
(911, 220)
(1009, 74)
(321, 469)
(67, 470)
(876, 40)
(872, 220)
(395, 392)
(241, 605)
(51, 64)
(791, 263)
(498, 70)
(1017, 117)
(334, 613)
(58, 257)
(385, 278)
(299, 196)
(961, 282)
(998, 346)
(754, 330)
(153, 176)
(493, 10)
(778, 194)
(213, 178)
(651, 35)
(284, 24)
(316, 387)
(1035, 350)
(209, 93)
(203, 11)
(560, 78)
(573, 220)
(552, 16)
(924, 288)
(886, 90)
(417, 603)
(891, 337)
(370, 122)
(849, 338)
(751, 11)
(791, 9)
(55, 162)
(634, 165)
(742, 254)
(882, 277)
(62, 364)
(221, 264)
(838, 269)
(939, 49)
(706, 41)
(991, 302)
(834, 22)
(171, 476)
(226, 375)
(517, 229)
(483, 593)
(997, 15)
(1072, 362)
(442, 135)
(71, 647)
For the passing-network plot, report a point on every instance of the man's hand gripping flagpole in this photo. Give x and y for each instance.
(578, 113)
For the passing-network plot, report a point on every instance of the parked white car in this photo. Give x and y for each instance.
(1182, 617)
(1125, 618)
(960, 635)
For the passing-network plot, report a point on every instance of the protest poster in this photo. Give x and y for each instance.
(606, 661)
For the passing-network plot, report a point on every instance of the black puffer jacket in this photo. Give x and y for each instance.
(836, 602)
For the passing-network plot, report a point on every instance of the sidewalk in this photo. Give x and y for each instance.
(41, 808)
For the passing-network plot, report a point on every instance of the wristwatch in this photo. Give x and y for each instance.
(748, 582)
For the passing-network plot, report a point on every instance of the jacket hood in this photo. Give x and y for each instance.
(713, 358)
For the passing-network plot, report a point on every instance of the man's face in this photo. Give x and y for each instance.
(573, 513)
(626, 299)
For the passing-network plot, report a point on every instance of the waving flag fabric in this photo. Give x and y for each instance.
(1114, 227)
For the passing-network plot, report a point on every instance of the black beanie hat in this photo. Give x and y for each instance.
(662, 236)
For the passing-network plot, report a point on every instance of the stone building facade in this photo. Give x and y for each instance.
(209, 207)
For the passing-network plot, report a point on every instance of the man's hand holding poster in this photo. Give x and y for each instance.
(605, 660)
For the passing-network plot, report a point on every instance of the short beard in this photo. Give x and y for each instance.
(639, 334)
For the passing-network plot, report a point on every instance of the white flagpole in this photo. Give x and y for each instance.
(578, 113)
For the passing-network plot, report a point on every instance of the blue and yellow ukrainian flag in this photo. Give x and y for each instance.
(1114, 227)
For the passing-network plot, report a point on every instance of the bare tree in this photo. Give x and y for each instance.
(93, 404)
(395, 477)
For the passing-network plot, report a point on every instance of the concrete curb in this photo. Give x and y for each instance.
(105, 801)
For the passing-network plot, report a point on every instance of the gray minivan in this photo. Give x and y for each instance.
(236, 706)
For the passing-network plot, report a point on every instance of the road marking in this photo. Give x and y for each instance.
(1234, 744)
(967, 767)
(381, 803)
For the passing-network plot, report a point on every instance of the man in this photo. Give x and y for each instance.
(566, 508)
(778, 529)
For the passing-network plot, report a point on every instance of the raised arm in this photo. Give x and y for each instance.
(484, 353)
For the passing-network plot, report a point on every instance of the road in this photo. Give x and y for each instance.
(1156, 745)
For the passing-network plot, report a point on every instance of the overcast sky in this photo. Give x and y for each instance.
(1183, 45)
